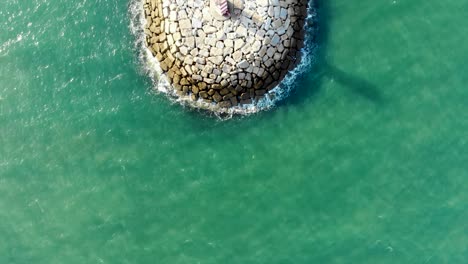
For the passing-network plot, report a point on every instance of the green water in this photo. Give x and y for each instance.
(366, 162)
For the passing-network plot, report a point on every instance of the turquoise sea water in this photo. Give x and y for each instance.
(366, 162)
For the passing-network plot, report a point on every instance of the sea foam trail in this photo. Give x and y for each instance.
(150, 66)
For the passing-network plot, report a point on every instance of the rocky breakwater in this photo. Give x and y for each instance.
(225, 62)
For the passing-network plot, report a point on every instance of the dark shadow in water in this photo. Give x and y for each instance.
(356, 84)
(310, 82)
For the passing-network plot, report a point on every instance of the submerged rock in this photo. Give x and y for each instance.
(225, 60)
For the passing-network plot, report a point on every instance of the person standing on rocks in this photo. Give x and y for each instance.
(223, 7)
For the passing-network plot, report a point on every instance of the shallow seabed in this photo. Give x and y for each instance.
(365, 162)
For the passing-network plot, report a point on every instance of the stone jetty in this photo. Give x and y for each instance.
(225, 60)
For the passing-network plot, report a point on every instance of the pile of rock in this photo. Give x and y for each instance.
(227, 61)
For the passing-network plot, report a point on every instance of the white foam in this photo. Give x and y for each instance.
(150, 66)
(4, 46)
